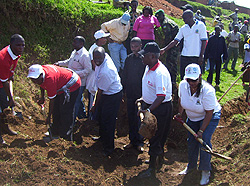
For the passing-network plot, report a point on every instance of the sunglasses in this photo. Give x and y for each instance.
(191, 80)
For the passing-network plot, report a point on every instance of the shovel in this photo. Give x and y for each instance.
(205, 148)
(49, 138)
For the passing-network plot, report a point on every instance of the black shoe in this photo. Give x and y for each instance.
(150, 172)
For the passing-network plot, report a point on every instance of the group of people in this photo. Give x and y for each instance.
(135, 71)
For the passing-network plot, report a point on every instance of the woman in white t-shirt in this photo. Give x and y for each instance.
(198, 99)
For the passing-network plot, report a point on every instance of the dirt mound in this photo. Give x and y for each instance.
(27, 160)
(168, 8)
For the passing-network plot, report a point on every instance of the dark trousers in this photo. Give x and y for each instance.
(134, 123)
(3, 99)
(217, 64)
(108, 110)
(63, 116)
(185, 61)
(164, 115)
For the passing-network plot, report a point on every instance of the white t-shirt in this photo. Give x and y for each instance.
(107, 78)
(195, 107)
(156, 82)
(192, 38)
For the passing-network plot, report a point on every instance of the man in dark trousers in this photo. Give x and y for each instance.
(62, 86)
(8, 61)
(170, 29)
(195, 36)
(156, 96)
(132, 86)
(108, 97)
(216, 47)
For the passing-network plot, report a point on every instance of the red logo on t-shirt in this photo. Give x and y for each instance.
(150, 83)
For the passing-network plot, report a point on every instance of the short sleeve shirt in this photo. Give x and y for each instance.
(144, 26)
(107, 78)
(156, 82)
(8, 63)
(234, 36)
(196, 107)
(55, 78)
(192, 38)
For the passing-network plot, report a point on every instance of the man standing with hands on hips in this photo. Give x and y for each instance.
(156, 97)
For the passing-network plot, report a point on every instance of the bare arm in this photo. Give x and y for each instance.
(169, 46)
(203, 47)
(7, 85)
(96, 100)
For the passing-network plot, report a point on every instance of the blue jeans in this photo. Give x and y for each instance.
(79, 105)
(194, 147)
(118, 53)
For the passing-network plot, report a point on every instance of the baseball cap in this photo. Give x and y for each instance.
(187, 7)
(192, 71)
(100, 33)
(246, 46)
(150, 47)
(35, 71)
(125, 18)
(158, 12)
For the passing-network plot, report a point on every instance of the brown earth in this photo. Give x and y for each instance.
(27, 160)
(162, 4)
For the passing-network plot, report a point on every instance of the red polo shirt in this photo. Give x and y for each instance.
(7, 65)
(55, 78)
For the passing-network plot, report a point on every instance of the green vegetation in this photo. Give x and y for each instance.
(49, 26)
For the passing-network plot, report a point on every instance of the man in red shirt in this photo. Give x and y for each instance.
(8, 62)
(62, 87)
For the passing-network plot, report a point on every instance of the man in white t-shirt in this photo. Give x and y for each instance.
(195, 37)
(108, 97)
(156, 96)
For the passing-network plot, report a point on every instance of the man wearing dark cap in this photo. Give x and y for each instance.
(156, 97)
(187, 7)
(8, 61)
(195, 36)
(170, 29)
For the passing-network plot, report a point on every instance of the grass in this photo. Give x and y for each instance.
(226, 80)
(50, 25)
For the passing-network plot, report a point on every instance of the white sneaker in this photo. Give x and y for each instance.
(205, 177)
(185, 171)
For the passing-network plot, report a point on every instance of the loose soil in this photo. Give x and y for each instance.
(168, 8)
(27, 160)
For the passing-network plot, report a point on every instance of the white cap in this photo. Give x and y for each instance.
(100, 33)
(246, 46)
(192, 71)
(35, 71)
